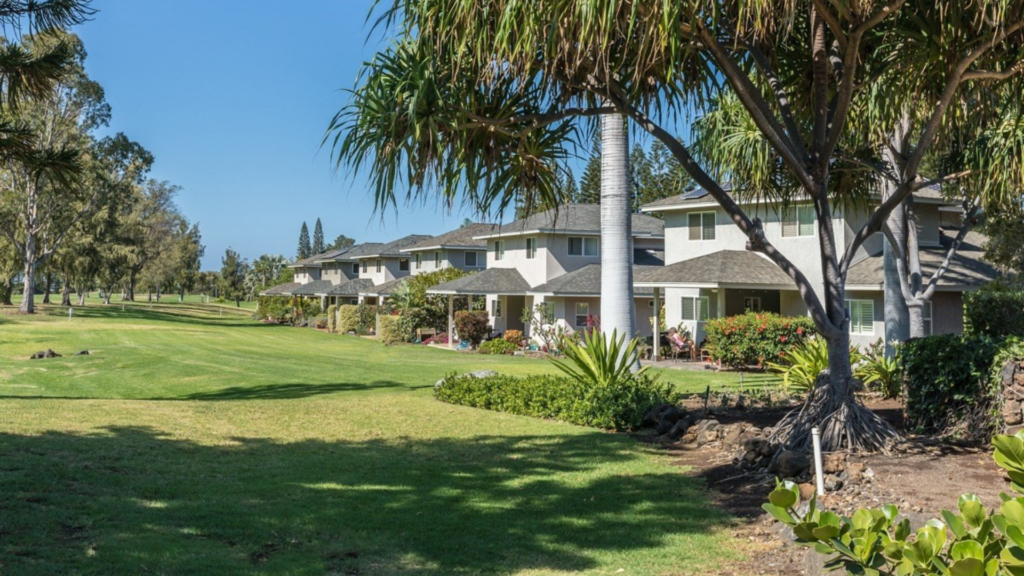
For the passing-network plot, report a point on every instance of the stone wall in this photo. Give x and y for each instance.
(1012, 381)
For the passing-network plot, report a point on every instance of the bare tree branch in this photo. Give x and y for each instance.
(969, 214)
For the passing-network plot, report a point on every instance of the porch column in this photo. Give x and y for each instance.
(657, 325)
(721, 303)
(451, 320)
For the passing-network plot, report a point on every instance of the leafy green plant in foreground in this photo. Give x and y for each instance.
(968, 542)
(600, 360)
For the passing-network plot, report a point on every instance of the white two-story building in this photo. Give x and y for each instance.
(554, 258)
(708, 272)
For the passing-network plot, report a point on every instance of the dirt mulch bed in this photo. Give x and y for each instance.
(923, 477)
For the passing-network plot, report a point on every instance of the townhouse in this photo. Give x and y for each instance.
(554, 258)
(708, 273)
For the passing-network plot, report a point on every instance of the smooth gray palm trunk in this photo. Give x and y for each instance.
(617, 311)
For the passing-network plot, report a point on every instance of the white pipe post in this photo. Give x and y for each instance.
(656, 344)
(71, 312)
(818, 472)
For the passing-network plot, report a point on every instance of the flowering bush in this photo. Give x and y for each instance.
(755, 338)
(514, 336)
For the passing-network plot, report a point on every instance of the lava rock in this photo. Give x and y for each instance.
(473, 374)
(44, 354)
(833, 483)
(834, 462)
(790, 464)
(679, 429)
(81, 353)
(806, 491)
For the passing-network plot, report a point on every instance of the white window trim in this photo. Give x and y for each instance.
(814, 222)
(583, 247)
(576, 316)
(531, 248)
(496, 308)
(696, 308)
(419, 260)
(849, 308)
(499, 250)
(714, 215)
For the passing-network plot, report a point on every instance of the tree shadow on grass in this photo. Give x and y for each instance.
(290, 391)
(161, 313)
(132, 500)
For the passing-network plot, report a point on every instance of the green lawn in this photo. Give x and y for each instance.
(191, 442)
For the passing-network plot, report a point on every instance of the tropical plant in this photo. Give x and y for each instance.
(600, 359)
(820, 88)
(876, 541)
(753, 338)
(514, 336)
(801, 366)
(498, 346)
(881, 371)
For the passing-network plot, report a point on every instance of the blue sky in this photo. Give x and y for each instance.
(233, 98)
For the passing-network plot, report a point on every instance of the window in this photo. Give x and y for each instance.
(927, 314)
(365, 264)
(499, 250)
(702, 226)
(696, 308)
(582, 313)
(437, 259)
(403, 264)
(355, 268)
(419, 260)
(584, 246)
(798, 221)
(531, 248)
(472, 259)
(496, 308)
(378, 264)
(752, 303)
(862, 316)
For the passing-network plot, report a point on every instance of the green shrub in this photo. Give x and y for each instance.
(600, 360)
(348, 318)
(514, 336)
(947, 380)
(332, 318)
(411, 320)
(968, 542)
(800, 366)
(472, 326)
(274, 308)
(994, 314)
(367, 319)
(390, 330)
(754, 338)
(307, 308)
(619, 406)
(498, 346)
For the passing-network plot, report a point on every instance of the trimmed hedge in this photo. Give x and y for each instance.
(619, 406)
(754, 338)
(274, 308)
(498, 346)
(348, 318)
(947, 380)
(390, 330)
(332, 318)
(994, 314)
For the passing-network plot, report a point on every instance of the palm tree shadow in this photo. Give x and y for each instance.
(287, 391)
(484, 504)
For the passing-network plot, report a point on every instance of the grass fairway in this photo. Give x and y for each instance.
(194, 443)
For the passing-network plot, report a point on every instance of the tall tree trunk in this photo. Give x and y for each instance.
(65, 292)
(28, 295)
(131, 286)
(897, 318)
(82, 294)
(181, 295)
(617, 307)
(6, 290)
(49, 286)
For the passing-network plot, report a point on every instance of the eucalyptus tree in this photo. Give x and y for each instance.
(148, 231)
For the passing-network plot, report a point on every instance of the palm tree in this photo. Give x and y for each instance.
(617, 309)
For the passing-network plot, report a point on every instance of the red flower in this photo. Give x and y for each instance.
(782, 338)
(799, 331)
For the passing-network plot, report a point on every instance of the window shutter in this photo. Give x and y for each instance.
(705, 308)
(806, 216)
(709, 226)
(688, 309)
(867, 317)
(789, 223)
(695, 226)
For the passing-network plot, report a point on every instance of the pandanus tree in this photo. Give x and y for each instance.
(478, 100)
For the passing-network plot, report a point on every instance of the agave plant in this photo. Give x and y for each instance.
(598, 359)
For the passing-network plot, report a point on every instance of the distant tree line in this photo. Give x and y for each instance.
(78, 211)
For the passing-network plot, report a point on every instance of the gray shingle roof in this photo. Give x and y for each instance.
(314, 288)
(967, 268)
(351, 288)
(460, 238)
(353, 253)
(393, 248)
(585, 281)
(700, 196)
(723, 267)
(386, 289)
(576, 218)
(310, 262)
(281, 289)
(506, 281)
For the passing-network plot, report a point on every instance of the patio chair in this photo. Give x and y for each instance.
(684, 350)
